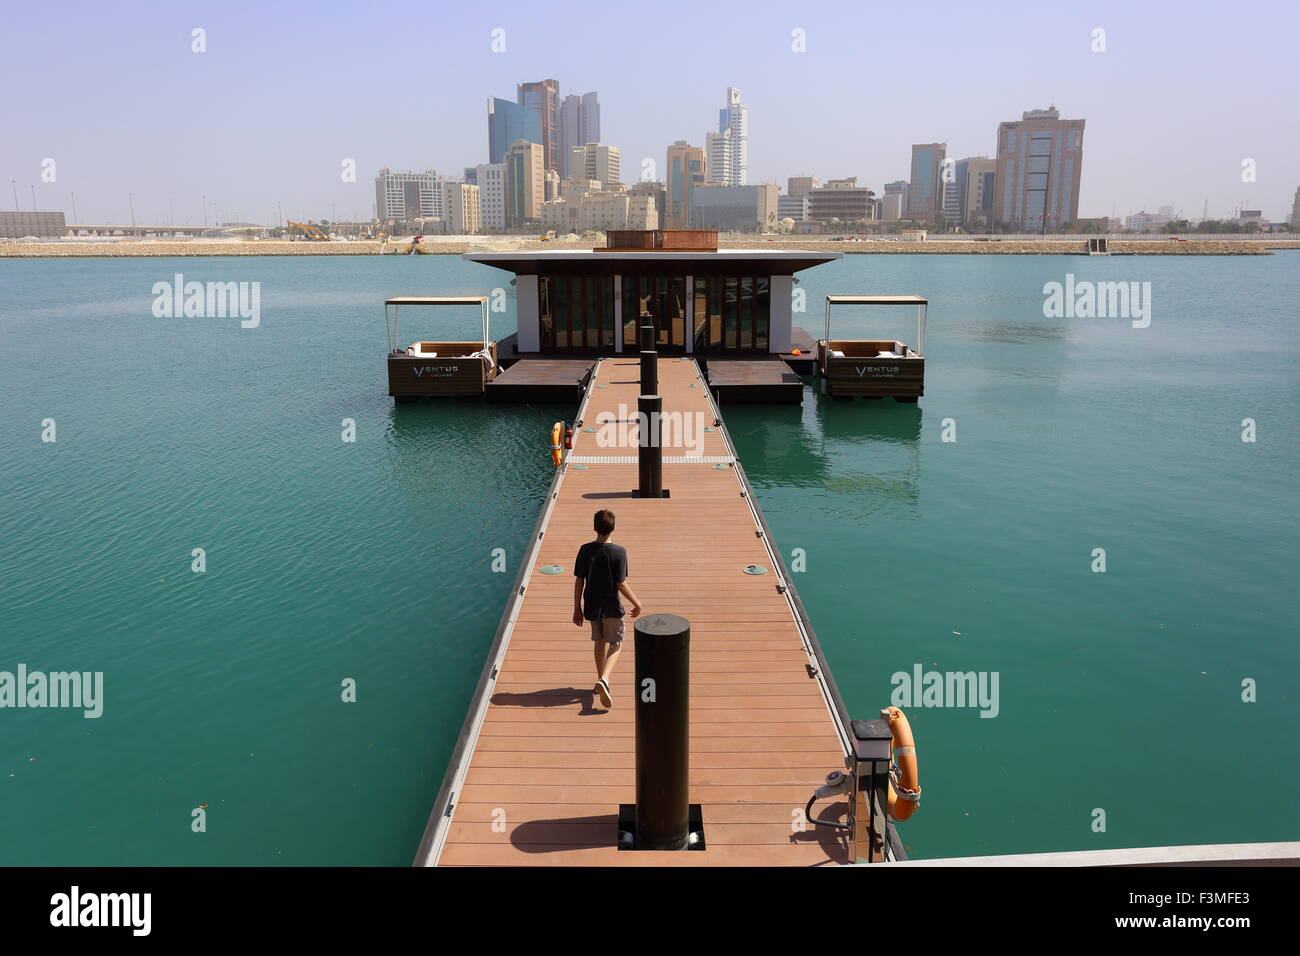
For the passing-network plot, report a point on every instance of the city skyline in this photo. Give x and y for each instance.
(253, 132)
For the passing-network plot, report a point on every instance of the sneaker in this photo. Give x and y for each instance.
(602, 689)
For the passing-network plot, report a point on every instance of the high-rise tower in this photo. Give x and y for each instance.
(1040, 160)
(579, 125)
(735, 117)
(543, 97)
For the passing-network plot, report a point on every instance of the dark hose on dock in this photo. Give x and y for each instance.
(663, 670)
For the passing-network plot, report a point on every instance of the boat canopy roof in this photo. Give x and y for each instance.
(398, 301)
(922, 310)
(436, 300)
(876, 300)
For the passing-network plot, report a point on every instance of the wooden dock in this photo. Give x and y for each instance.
(542, 380)
(805, 363)
(767, 381)
(540, 768)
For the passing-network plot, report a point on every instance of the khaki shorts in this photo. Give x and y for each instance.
(608, 629)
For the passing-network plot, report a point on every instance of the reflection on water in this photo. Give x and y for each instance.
(1045, 362)
(1015, 333)
(882, 486)
(888, 433)
(468, 449)
(821, 447)
(869, 420)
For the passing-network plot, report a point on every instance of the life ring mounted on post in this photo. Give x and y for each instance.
(557, 452)
(904, 777)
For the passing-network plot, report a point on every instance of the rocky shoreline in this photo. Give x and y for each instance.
(1046, 247)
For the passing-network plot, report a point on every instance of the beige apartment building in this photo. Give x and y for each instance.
(491, 181)
(571, 189)
(561, 215)
(801, 185)
(461, 209)
(841, 199)
(981, 177)
(615, 210)
(1040, 162)
(525, 182)
(600, 210)
(595, 161)
(656, 192)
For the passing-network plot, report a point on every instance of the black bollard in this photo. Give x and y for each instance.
(650, 455)
(663, 671)
(649, 373)
(647, 338)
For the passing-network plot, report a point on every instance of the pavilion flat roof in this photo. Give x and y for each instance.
(603, 260)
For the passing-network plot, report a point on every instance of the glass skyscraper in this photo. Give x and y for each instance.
(925, 191)
(508, 122)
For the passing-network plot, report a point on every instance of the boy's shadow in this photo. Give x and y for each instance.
(553, 697)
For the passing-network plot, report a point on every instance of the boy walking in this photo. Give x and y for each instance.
(600, 576)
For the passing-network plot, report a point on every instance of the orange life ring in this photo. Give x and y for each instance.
(904, 780)
(557, 430)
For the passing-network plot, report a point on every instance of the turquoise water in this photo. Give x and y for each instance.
(372, 560)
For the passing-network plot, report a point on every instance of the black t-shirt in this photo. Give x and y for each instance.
(604, 567)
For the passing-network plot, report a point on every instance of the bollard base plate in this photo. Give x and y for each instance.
(636, 493)
(627, 827)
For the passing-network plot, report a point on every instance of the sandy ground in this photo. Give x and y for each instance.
(456, 246)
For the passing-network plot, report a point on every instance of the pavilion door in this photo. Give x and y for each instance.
(657, 301)
(732, 314)
(576, 312)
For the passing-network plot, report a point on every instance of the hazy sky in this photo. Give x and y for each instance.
(1183, 93)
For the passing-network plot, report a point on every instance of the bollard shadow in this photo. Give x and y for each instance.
(552, 697)
(566, 833)
(834, 843)
(594, 495)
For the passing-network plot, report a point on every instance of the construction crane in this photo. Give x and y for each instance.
(308, 231)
